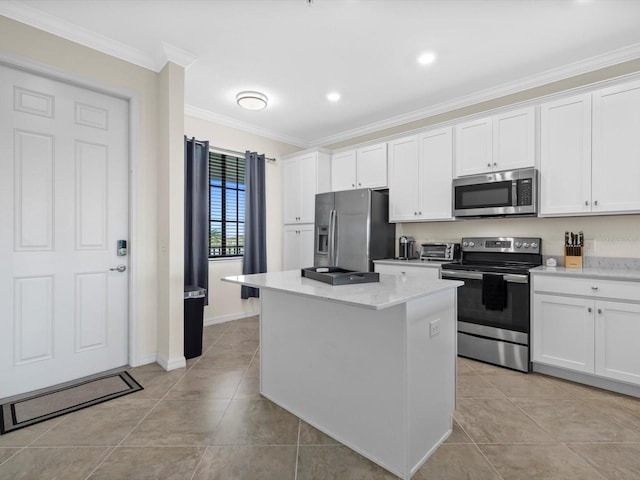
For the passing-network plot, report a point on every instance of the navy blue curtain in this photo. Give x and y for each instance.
(255, 221)
(196, 214)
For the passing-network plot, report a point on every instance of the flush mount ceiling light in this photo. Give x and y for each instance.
(252, 100)
(333, 96)
(427, 58)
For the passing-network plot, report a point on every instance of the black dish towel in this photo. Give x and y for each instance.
(494, 292)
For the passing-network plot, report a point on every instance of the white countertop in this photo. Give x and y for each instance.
(391, 290)
(412, 263)
(590, 272)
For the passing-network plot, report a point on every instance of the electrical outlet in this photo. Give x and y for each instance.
(434, 326)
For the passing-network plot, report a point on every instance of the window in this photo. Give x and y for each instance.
(226, 206)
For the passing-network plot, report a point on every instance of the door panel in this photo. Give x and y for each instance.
(617, 332)
(353, 207)
(64, 202)
(33, 190)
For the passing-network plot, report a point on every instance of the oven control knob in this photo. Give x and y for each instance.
(472, 244)
(534, 245)
(518, 244)
(465, 244)
(525, 245)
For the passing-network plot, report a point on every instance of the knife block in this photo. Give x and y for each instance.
(573, 257)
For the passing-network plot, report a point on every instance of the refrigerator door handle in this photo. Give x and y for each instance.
(332, 238)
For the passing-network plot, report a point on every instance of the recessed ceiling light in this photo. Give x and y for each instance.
(333, 96)
(252, 100)
(427, 58)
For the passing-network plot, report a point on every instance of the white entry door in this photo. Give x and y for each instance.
(63, 207)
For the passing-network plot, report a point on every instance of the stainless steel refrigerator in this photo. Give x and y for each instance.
(352, 229)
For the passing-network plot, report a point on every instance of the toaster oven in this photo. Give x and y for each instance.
(440, 251)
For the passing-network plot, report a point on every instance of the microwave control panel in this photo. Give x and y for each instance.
(525, 191)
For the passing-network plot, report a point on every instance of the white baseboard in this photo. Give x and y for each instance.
(228, 318)
(180, 362)
(588, 379)
(151, 358)
(171, 364)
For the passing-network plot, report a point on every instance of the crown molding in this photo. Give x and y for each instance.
(171, 53)
(591, 64)
(44, 21)
(203, 114)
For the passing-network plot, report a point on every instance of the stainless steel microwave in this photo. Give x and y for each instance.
(497, 194)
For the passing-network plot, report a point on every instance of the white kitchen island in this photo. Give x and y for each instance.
(372, 365)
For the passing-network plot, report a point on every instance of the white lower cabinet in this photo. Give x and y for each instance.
(563, 332)
(617, 334)
(585, 332)
(431, 272)
(297, 247)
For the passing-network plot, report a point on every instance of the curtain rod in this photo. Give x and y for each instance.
(236, 152)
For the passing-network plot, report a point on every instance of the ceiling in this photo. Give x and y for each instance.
(297, 52)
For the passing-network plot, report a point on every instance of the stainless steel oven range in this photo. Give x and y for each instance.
(494, 321)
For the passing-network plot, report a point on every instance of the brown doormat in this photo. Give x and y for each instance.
(59, 401)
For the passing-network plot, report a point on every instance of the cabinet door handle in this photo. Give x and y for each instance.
(594, 288)
(489, 165)
(589, 309)
(359, 184)
(419, 213)
(586, 202)
(596, 202)
(495, 164)
(353, 185)
(599, 311)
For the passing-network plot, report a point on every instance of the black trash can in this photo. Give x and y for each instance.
(193, 320)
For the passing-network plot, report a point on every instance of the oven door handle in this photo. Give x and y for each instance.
(461, 275)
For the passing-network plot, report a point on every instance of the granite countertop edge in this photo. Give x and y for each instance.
(629, 275)
(415, 262)
(392, 290)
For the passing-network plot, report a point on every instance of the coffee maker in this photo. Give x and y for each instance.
(406, 248)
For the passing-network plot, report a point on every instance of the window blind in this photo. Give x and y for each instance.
(226, 205)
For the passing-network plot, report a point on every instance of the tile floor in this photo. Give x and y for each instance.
(208, 421)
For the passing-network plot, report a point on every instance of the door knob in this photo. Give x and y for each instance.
(119, 268)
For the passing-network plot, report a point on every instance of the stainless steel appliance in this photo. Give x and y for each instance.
(406, 248)
(494, 322)
(352, 229)
(512, 192)
(440, 251)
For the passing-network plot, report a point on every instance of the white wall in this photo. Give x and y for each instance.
(605, 236)
(224, 298)
(171, 217)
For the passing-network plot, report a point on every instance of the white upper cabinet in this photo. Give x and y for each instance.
(343, 170)
(404, 189)
(565, 156)
(590, 153)
(371, 166)
(474, 147)
(436, 174)
(514, 139)
(420, 174)
(304, 175)
(365, 167)
(616, 149)
(505, 141)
